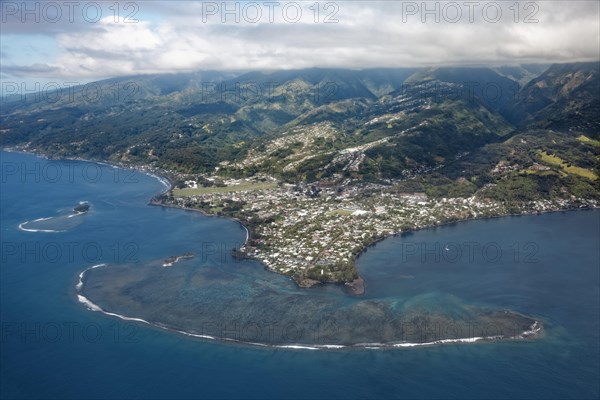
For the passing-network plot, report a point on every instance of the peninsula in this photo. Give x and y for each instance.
(314, 232)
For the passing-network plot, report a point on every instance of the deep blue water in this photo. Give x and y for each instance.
(52, 347)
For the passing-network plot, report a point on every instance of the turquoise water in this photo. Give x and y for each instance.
(53, 347)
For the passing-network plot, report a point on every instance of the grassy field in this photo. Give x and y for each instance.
(559, 162)
(586, 139)
(243, 187)
(531, 171)
(339, 212)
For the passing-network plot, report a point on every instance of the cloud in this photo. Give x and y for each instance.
(181, 36)
(22, 71)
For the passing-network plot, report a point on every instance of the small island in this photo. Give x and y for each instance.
(170, 261)
(82, 208)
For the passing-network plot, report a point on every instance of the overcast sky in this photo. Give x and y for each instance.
(79, 41)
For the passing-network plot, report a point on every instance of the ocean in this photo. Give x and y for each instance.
(52, 346)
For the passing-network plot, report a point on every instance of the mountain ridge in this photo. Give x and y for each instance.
(193, 122)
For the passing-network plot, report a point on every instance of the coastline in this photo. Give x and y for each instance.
(355, 287)
(458, 221)
(358, 285)
(154, 172)
(205, 214)
(527, 334)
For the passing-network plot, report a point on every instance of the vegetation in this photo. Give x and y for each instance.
(247, 186)
(568, 167)
(328, 161)
(417, 130)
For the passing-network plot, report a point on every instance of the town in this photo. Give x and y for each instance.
(314, 232)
